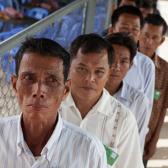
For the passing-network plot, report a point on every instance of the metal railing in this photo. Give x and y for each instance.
(88, 21)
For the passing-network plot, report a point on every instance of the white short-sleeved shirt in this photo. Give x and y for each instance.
(138, 103)
(68, 147)
(141, 76)
(113, 124)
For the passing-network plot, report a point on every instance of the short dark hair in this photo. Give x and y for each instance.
(156, 20)
(128, 9)
(44, 47)
(123, 39)
(91, 43)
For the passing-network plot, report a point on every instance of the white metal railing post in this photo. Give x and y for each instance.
(109, 13)
(90, 10)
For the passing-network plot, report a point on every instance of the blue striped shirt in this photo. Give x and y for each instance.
(68, 147)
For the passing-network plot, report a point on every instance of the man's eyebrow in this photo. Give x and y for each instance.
(101, 68)
(81, 64)
(27, 72)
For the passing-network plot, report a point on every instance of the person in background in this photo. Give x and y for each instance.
(50, 5)
(152, 36)
(38, 137)
(126, 2)
(147, 7)
(141, 75)
(12, 9)
(125, 49)
(93, 109)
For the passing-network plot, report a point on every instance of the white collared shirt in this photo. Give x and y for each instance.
(68, 147)
(138, 103)
(141, 76)
(113, 124)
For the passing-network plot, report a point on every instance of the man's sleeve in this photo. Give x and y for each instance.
(130, 155)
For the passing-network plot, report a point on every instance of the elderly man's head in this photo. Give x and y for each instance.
(42, 67)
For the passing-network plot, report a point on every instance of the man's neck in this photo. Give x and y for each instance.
(84, 105)
(37, 132)
(113, 87)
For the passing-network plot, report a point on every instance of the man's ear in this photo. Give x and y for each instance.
(163, 39)
(14, 81)
(131, 63)
(67, 89)
(110, 30)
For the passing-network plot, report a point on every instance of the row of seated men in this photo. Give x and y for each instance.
(105, 86)
(13, 9)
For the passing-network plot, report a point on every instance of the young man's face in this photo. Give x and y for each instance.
(39, 86)
(120, 65)
(88, 74)
(128, 23)
(150, 39)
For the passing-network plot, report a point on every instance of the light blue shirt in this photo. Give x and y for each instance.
(9, 3)
(138, 103)
(68, 147)
(141, 76)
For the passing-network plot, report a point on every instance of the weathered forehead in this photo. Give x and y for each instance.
(151, 28)
(128, 16)
(91, 60)
(91, 55)
(37, 62)
(121, 51)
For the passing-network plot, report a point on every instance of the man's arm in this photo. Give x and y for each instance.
(130, 155)
(150, 146)
(149, 82)
(143, 117)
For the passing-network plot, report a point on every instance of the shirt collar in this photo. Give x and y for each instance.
(123, 92)
(20, 139)
(135, 59)
(101, 106)
(156, 61)
(49, 147)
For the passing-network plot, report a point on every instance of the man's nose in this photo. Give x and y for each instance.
(149, 41)
(91, 77)
(116, 66)
(38, 90)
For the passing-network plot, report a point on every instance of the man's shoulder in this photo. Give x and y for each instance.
(9, 120)
(134, 94)
(83, 136)
(163, 63)
(8, 125)
(115, 106)
(144, 58)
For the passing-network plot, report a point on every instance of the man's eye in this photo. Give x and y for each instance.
(136, 30)
(81, 70)
(124, 61)
(125, 28)
(51, 79)
(28, 77)
(99, 73)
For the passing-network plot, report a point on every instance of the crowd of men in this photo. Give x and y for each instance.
(101, 104)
